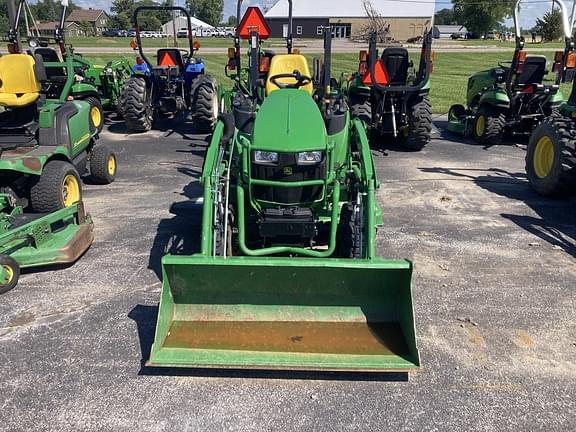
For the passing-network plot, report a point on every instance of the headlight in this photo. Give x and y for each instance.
(265, 157)
(309, 158)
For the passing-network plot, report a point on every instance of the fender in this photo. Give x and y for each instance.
(496, 98)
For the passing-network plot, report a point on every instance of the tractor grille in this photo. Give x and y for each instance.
(287, 170)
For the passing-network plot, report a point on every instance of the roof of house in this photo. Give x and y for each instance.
(89, 15)
(451, 28)
(51, 25)
(352, 9)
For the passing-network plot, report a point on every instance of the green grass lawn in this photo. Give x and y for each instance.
(449, 80)
(124, 42)
(508, 44)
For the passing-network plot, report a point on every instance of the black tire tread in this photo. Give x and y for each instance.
(563, 181)
(46, 192)
(361, 109)
(7, 260)
(420, 125)
(99, 165)
(93, 101)
(203, 94)
(134, 105)
(495, 126)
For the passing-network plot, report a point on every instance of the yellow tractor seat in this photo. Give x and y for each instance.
(18, 83)
(287, 64)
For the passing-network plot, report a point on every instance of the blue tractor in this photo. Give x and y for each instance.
(174, 84)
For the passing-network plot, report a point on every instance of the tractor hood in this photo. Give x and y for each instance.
(289, 121)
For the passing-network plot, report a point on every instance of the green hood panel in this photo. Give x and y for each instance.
(289, 121)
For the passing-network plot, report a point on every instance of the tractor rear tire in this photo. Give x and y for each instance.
(12, 269)
(96, 114)
(489, 126)
(103, 165)
(361, 109)
(136, 105)
(551, 157)
(419, 125)
(57, 187)
(205, 106)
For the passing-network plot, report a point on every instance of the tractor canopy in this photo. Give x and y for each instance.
(289, 121)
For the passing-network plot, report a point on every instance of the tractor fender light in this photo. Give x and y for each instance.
(265, 157)
(363, 56)
(231, 53)
(309, 158)
(363, 68)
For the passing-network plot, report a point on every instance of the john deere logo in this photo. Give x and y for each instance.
(288, 171)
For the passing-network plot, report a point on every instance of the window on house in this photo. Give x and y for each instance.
(299, 30)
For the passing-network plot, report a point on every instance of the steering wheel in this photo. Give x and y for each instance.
(301, 80)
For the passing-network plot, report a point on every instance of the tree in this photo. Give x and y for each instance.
(376, 23)
(209, 11)
(121, 21)
(123, 6)
(550, 26)
(481, 16)
(232, 21)
(86, 28)
(445, 17)
(4, 22)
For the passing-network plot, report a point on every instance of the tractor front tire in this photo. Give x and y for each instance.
(551, 157)
(205, 106)
(103, 165)
(419, 130)
(57, 187)
(96, 114)
(489, 125)
(350, 233)
(136, 106)
(11, 273)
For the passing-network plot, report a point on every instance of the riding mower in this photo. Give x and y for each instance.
(390, 96)
(511, 98)
(551, 153)
(44, 144)
(175, 84)
(98, 85)
(288, 276)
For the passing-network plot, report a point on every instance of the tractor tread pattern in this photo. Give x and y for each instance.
(361, 109)
(563, 181)
(135, 106)
(99, 165)
(46, 192)
(420, 125)
(495, 126)
(203, 94)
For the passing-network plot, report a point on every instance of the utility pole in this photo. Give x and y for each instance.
(174, 33)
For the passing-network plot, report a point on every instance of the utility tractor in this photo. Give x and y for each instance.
(512, 97)
(551, 153)
(391, 96)
(288, 276)
(176, 83)
(98, 85)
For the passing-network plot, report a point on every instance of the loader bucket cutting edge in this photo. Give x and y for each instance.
(286, 313)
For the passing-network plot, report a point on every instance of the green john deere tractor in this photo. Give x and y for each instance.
(288, 276)
(510, 98)
(390, 96)
(45, 143)
(99, 85)
(551, 153)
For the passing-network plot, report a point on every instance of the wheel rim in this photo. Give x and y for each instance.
(111, 165)
(480, 125)
(96, 116)
(544, 157)
(70, 190)
(8, 276)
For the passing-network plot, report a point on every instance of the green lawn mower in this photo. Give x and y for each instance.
(510, 98)
(390, 96)
(288, 276)
(551, 153)
(46, 141)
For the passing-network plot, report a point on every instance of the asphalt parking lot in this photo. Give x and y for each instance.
(494, 293)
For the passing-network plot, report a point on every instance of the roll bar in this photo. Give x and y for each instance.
(157, 8)
(566, 25)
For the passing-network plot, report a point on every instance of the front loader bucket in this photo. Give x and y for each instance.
(285, 313)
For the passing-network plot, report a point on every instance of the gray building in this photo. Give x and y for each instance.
(446, 31)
